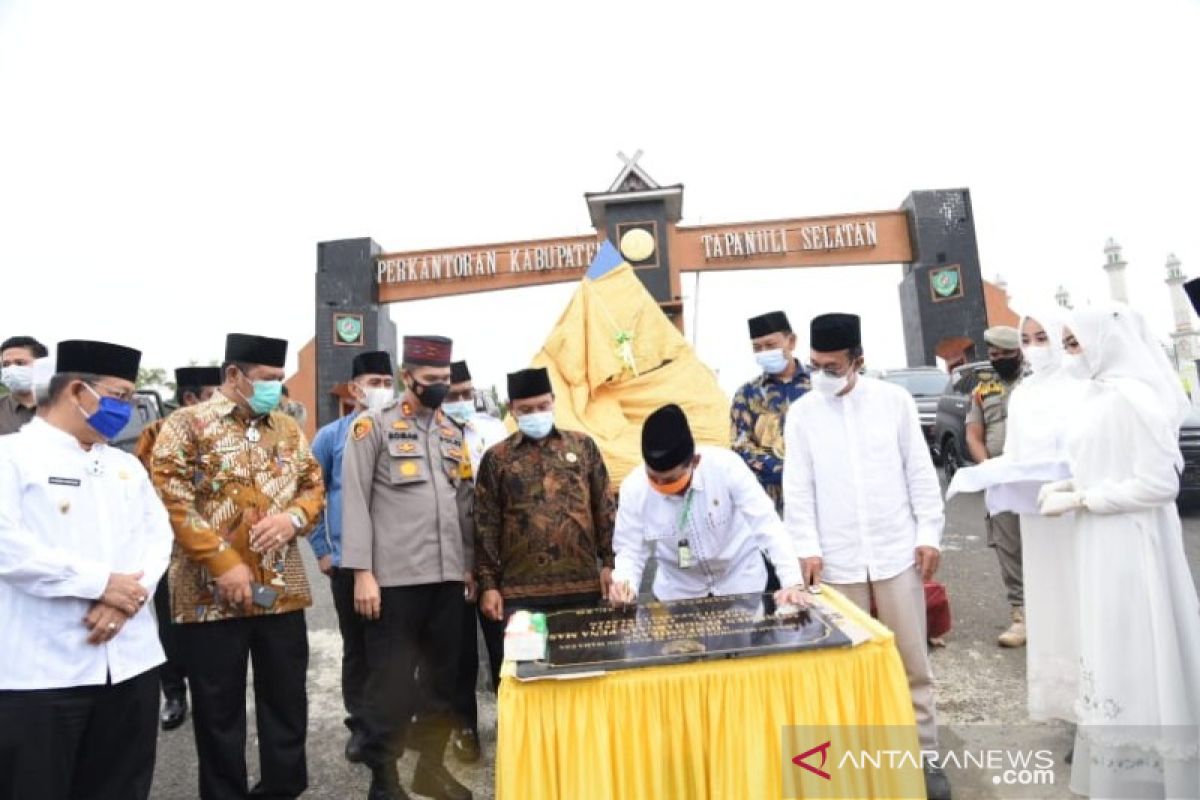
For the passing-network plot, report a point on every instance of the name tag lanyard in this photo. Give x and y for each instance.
(684, 551)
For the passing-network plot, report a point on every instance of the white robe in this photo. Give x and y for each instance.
(1139, 639)
(1038, 414)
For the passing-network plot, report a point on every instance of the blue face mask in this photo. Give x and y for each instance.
(536, 426)
(265, 397)
(772, 362)
(110, 417)
(460, 411)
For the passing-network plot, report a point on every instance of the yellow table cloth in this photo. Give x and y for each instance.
(716, 729)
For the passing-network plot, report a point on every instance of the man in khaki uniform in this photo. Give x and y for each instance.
(407, 534)
(986, 423)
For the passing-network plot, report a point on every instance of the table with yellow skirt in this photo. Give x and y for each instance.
(718, 728)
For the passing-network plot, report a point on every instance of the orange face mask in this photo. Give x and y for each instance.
(674, 487)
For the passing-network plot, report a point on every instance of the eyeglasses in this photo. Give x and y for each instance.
(830, 372)
(108, 391)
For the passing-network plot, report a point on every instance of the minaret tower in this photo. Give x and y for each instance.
(1063, 297)
(1184, 335)
(1114, 265)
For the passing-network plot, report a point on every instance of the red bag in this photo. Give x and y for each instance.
(937, 610)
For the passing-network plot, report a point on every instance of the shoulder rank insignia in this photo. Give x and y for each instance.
(989, 388)
(360, 428)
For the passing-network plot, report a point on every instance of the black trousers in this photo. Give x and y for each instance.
(170, 674)
(354, 646)
(493, 631)
(418, 626)
(466, 709)
(93, 742)
(215, 655)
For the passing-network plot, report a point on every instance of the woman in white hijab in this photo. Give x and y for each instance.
(1038, 413)
(1139, 638)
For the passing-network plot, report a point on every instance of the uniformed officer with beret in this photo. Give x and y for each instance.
(986, 424)
(407, 534)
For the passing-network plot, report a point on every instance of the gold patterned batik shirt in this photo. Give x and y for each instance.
(218, 473)
(757, 417)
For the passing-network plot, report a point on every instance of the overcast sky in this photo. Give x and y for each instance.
(168, 168)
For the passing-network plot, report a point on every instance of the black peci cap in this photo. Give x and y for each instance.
(250, 349)
(830, 333)
(766, 324)
(374, 362)
(98, 358)
(667, 439)
(459, 372)
(532, 382)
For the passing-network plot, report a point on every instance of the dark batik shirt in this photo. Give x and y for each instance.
(759, 410)
(543, 516)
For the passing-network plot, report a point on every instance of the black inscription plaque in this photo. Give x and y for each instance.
(606, 638)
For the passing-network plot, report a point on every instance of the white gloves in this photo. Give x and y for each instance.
(1055, 504)
(1056, 486)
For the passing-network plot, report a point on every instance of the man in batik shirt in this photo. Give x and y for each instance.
(241, 485)
(544, 513)
(760, 406)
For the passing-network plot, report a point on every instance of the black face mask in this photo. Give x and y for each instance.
(431, 395)
(1007, 368)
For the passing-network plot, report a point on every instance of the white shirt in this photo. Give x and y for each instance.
(68, 518)
(859, 488)
(730, 522)
(481, 432)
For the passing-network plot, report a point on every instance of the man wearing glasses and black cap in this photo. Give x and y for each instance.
(83, 541)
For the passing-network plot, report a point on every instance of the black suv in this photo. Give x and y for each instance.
(926, 385)
(950, 421)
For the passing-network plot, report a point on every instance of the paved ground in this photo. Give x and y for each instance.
(981, 688)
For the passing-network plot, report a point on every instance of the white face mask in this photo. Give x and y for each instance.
(18, 378)
(1075, 365)
(1040, 358)
(376, 397)
(772, 362)
(828, 385)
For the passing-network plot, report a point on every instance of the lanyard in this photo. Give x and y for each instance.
(684, 552)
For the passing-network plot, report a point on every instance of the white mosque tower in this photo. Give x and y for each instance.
(1062, 297)
(1184, 335)
(1115, 267)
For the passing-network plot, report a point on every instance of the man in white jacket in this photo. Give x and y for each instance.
(83, 542)
(704, 514)
(862, 501)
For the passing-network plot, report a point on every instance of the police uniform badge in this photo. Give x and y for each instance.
(360, 428)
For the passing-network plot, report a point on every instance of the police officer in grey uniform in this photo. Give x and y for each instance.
(986, 423)
(408, 535)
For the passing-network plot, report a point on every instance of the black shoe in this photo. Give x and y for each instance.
(174, 712)
(385, 785)
(464, 743)
(355, 746)
(937, 785)
(434, 780)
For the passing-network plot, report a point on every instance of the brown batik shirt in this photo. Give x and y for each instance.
(543, 516)
(216, 483)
